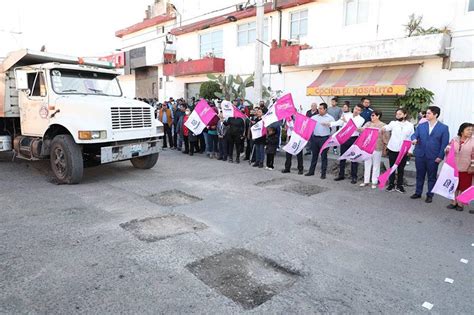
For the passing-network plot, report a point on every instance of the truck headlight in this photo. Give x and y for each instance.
(160, 130)
(93, 135)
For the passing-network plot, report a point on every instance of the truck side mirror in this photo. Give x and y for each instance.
(21, 80)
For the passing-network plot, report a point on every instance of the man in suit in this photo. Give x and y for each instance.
(430, 140)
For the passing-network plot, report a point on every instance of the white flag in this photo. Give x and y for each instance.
(295, 144)
(258, 130)
(194, 123)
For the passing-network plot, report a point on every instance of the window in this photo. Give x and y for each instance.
(247, 33)
(299, 24)
(470, 6)
(36, 84)
(211, 43)
(67, 81)
(356, 11)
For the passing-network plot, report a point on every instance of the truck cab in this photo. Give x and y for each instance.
(72, 111)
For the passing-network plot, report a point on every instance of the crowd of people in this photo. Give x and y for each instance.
(230, 139)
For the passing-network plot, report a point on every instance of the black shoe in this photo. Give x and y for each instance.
(285, 171)
(260, 165)
(471, 211)
(339, 178)
(255, 164)
(224, 159)
(390, 188)
(309, 174)
(451, 206)
(185, 152)
(400, 189)
(459, 208)
(246, 159)
(429, 199)
(354, 181)
(231, 161)
(237, 161)
(323, 176)
(300, 172)
(191, 154)
(307, 153)
(415, 196)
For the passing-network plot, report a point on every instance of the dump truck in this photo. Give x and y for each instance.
(72, 111)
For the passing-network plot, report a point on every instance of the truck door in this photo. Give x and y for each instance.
(34, 111)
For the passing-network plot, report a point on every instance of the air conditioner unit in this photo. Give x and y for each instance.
(293, 42)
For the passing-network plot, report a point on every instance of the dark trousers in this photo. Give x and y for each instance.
(193, 147)
(234, 140)
(425, 167)
(201, 144)
(270, 159)
(342, 163)
(316, 145)
(167, 131)
(392, 157)
(248, 149)
(223, 144)
(175, 135)
(186, 144)
(289, 157)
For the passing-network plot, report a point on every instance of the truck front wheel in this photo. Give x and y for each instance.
(66, 160)
(145, 162)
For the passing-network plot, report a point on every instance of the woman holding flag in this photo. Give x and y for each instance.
(463, 146)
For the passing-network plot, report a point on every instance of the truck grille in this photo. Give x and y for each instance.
(131, 117)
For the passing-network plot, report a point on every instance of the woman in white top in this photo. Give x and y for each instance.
(401, 130)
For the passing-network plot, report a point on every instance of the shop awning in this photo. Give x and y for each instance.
(390, 80)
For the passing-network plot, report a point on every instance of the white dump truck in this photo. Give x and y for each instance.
(71, 111)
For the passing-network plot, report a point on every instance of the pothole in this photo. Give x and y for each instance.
(277, 183)
(305, 189)
(245, 278)
(173, 198)
(158, 228)
(293, 186)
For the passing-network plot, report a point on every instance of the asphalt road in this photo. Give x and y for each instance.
(195, 235)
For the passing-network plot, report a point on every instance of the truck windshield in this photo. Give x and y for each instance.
(69, 81)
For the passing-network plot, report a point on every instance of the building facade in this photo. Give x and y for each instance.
(320, 49)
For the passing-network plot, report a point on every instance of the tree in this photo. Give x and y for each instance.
(415, 100)
(208, 90)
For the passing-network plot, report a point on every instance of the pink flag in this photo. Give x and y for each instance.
(200, 117)
(229, 110)
(302, 131)
(284, 107)
(341, 136)
(467, 196)
(258, 130)
(403, 151)
(448, 178)
(363, 147)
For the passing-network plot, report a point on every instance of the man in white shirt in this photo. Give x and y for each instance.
(320, 134)
(358, 121)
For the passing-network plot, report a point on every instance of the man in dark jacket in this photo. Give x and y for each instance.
(236, 135)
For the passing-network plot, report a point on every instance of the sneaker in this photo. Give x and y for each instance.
(364, 184)
(390, 188)
(270, 168)
(267, 168)
(400, 189)
(374, 186)
(285, 171)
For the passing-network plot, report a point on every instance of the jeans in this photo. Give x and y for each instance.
(211, 143)
(374, 163)
(260, 153)
(223, 148)
(425, 167)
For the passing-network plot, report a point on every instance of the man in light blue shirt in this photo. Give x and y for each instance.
(320, 134)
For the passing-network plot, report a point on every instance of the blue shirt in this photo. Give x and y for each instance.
(320, 130)
(366, 114)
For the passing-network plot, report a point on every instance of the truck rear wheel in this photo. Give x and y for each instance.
(145, 162)
(66, 160)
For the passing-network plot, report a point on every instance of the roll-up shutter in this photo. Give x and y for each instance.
(386, 104)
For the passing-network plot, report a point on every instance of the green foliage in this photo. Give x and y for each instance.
(415, 100)
(208, 90)
(414, 28)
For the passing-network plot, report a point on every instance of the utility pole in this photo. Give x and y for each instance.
(259, 51)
